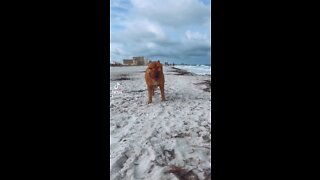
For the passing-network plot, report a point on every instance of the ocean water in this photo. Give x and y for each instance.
(196, 69)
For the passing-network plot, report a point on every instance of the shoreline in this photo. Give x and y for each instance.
(173, 67)
(178, 72)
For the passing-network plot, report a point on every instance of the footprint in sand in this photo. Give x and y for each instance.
(144, 163)
(118, 164)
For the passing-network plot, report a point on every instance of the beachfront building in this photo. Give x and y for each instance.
(136, 61)
(127, 62)
(139, 61)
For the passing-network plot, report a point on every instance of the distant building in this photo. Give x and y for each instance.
(115, 63)
(137, 61)
(128, 62)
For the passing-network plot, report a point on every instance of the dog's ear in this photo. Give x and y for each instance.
(159, 67)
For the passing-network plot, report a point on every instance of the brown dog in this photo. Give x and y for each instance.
(154, 77)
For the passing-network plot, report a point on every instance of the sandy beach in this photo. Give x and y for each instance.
(162, 140)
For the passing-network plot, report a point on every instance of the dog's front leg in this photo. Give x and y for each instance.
(162, 93)
(150, 90)
(153, 88)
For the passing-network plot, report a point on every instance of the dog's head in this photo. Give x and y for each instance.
(155, 70)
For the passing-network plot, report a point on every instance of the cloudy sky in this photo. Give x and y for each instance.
(167, 30)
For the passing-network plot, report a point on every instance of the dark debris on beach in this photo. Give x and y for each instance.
(181, 72)
(121, 77)
(136, 91)
(208, 85)
(182, 174)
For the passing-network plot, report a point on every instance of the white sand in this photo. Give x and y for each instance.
(147, 139)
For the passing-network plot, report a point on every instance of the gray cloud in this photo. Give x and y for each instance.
(172, 13)
(170, 30)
